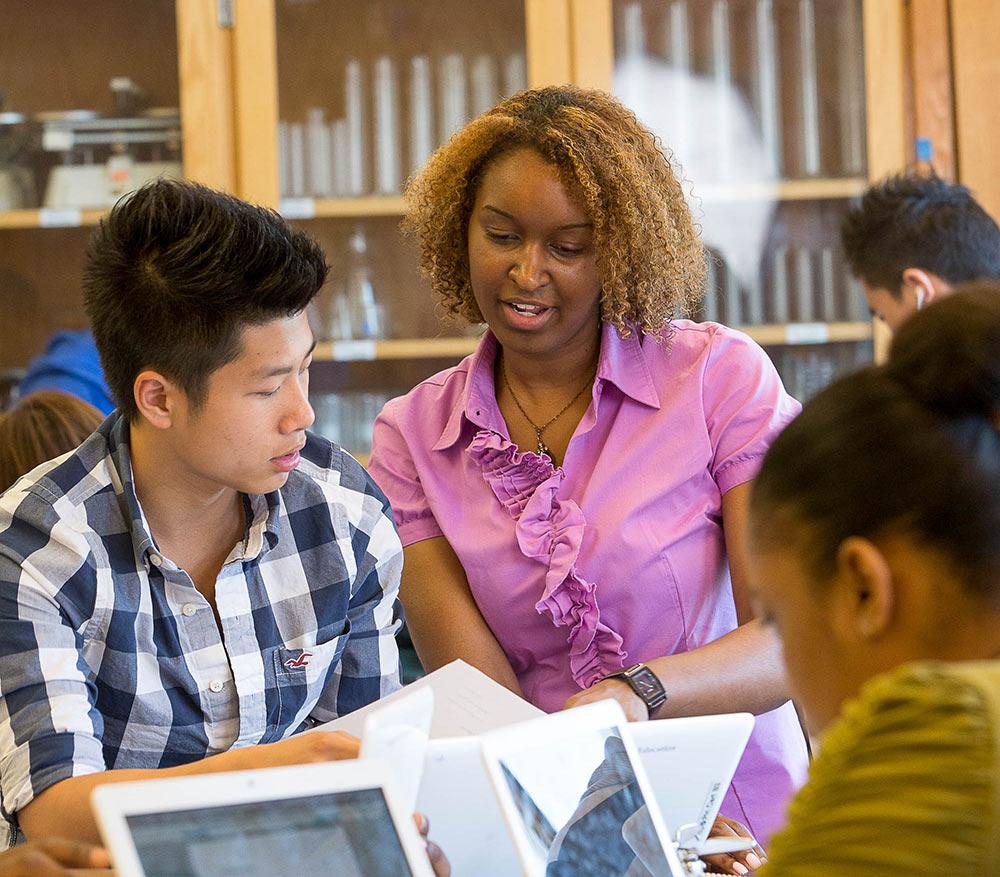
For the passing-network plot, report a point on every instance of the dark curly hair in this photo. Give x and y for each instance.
(650, 258)
(913, 220)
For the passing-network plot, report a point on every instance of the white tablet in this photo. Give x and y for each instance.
(576, 798)
(332, 818)
(690, 763)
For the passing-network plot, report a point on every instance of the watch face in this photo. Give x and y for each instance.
(647, 686)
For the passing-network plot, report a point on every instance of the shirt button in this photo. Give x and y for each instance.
(189, 609)
(155, 559)
(216, 686)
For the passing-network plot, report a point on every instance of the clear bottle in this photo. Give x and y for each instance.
(367, 315)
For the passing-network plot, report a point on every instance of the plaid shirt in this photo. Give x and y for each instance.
(109, 657)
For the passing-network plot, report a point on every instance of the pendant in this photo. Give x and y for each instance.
(542, 450)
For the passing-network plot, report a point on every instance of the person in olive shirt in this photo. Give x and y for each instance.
(875, 549)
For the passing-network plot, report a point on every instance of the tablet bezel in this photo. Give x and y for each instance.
(553, 730)
(112, 803)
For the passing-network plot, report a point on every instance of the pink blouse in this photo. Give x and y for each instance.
(618, 555)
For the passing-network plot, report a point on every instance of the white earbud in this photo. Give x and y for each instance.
(920, 299)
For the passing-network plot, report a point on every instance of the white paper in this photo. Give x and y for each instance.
(458, 799)
(397, 733)
(466, 703)
(690, 763)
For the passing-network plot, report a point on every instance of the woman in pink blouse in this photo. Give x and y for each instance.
(572, 497)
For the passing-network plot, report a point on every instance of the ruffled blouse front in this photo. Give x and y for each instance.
(550, 529)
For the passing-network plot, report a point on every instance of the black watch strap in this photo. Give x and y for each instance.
(645, 683)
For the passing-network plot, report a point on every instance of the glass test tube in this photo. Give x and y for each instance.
(828, 285)
(711, 299)
(852, 92)
(779, 285)
(284, 160)
(810, 88)
(485, 76)
(341, 161)
(451, 95)
(387, 169)
(357, 131)
(296, 160)
(680, 62)
(722, 90)
(734, 316)
(421, 113)
(768, 106)
(320, 183)
(803, 285)
(515, 74)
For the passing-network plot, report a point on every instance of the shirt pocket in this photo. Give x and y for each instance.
(301, 675)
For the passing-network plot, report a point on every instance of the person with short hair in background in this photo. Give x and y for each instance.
(40, 427)
(912, 238)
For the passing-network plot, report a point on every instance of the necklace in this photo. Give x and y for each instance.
(542, 448)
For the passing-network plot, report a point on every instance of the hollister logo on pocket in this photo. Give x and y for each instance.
(299, 662)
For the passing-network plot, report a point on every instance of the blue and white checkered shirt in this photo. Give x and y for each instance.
(109, 657)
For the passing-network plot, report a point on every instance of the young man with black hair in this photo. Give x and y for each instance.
(201, 576)
(912, 238)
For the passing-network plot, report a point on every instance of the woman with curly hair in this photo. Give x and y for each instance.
(573, 495)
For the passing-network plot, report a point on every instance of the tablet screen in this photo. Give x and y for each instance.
(581, 808)
(349, 833)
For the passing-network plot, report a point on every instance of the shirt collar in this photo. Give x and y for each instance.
(621, 362)
(263, 512)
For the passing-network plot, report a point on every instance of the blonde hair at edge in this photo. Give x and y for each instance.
(650, 258)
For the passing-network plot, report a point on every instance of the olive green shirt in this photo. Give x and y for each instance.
(907, 781)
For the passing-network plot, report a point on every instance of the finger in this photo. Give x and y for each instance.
(423, 824)
(440, 864)
(74, 854)
(725, 864)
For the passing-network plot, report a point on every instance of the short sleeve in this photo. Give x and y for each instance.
(746, 406)
(903, 784)
(394, 470)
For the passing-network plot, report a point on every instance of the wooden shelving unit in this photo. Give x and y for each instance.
(721, 193)
(346, 208)
(457, 347)
(49, 218)
(816, 189)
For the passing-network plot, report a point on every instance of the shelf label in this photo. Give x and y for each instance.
(298, 208)
(57, 139)
(347, 351)
(807, 333)
(60, 217)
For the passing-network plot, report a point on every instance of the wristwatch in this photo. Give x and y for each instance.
(645, 683)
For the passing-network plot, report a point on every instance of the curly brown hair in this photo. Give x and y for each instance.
(650, 258)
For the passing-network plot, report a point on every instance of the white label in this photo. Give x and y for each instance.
(345, 351)
(298, 208)
(806, 333)
(57, 139)
(60, 217)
